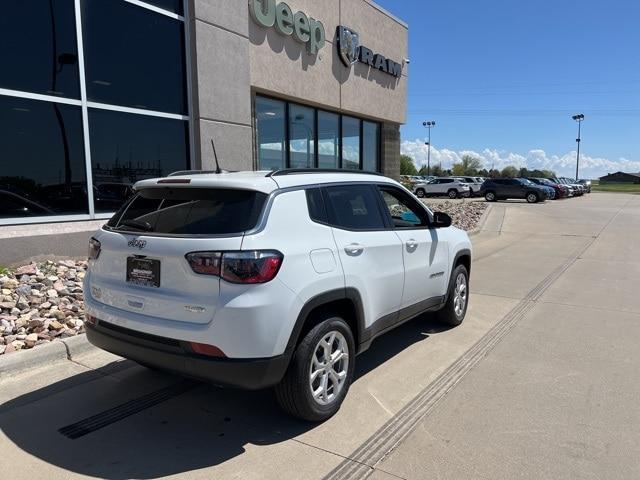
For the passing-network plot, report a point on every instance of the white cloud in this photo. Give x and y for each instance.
(590, 167)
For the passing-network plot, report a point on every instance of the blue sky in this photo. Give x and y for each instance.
(502, 78)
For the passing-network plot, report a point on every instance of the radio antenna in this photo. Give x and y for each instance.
(215, 156)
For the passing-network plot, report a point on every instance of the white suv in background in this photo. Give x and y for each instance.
(259, 279)
(451, 187)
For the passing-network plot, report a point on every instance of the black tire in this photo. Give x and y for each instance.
(420, 193)
(490, 197)
(452, 194)
(294, 392)
(532, 197)
(448, 314)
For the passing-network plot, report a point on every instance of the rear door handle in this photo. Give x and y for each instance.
(354, 250)
(411, 245)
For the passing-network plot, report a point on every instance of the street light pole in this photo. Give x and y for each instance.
(578, 118)
(429, 125)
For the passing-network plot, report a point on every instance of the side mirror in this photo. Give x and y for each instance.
(441, 220)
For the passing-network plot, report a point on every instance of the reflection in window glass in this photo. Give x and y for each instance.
(42, 169)
(370, 146)
(134, 57)
(328, 139)
(38, 47)
(174, 6)
(354, 207)
(301, 136)
(271, 132)
(350, 143)
(126, 148)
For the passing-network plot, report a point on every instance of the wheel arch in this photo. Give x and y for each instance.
(462, 257)
(345, 302)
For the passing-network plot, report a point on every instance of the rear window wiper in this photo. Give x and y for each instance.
(138, 225)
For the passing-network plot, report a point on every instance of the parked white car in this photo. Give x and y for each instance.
(259, 279)
(449, 186)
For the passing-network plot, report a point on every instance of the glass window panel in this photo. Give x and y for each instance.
(271, 132)
(302, 134)
(370, 146)
(38, 47)
(328, 139)
(126, 148)
(350, 143)
(42, 166)
(174, 6)
(354, 207)
(134, 57)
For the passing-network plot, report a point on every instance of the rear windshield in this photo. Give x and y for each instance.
(189, 211)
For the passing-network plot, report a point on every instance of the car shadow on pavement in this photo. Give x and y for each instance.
(198, 427)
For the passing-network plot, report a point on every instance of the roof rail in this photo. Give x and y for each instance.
(300, 171)
(195, 172)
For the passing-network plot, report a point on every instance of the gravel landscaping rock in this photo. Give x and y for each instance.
(41, 302)
(465, 213)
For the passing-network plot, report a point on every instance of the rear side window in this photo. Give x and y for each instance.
(354, 207)
(315, 202)
(190, 211)
(446, 180)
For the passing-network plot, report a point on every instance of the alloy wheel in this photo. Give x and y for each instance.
(329, 367)
(460, 295)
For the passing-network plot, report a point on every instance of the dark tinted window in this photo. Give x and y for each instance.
(354, 207)
(446, 180)
(174, 6)
(370, 146)
(126, 148)
(405, 212)
(38, 47)
(134, 57)
(42, 164)
(317, 212)
(328, 139)
(302, 133)
(191, 211)
(271, 133)
(350, 143)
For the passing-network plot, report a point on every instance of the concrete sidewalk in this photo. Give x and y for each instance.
(538, 382)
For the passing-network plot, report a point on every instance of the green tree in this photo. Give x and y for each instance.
(407, 166)
(510, 172)
(471, 165)
(483, 173)
(437, 171)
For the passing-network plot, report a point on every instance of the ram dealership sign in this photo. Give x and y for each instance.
(351, 51)
(303, 28)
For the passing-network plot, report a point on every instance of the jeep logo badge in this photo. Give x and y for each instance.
(348, 45)
(140, 244)
(302, 28)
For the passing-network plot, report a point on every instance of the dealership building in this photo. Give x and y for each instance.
(99, 94)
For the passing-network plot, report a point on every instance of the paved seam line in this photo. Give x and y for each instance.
(115, 414)
(362, 462)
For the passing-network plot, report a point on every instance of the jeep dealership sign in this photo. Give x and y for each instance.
(303, 28)
(351, 51)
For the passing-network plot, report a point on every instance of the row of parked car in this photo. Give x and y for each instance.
(531, 189)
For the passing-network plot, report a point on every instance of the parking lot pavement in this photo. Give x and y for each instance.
(539, 382)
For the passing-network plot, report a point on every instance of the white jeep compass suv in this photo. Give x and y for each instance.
(260, 279)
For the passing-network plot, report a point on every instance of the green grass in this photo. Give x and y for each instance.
(617, 188)
(4, 271)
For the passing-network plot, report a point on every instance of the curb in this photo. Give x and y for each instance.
(482, 221)
(56, 351)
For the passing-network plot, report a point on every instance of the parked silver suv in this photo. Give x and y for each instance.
(437, 187)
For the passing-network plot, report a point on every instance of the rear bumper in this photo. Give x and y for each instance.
(176, 356)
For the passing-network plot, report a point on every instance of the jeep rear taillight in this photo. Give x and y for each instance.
(250, 267)
(205, 263)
